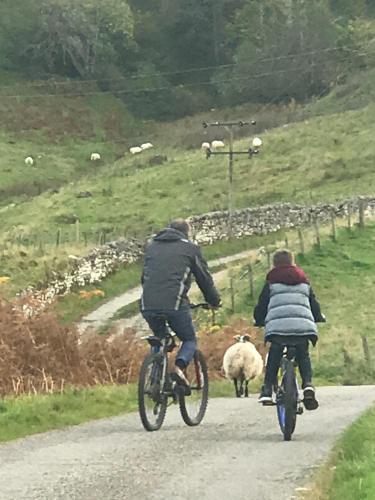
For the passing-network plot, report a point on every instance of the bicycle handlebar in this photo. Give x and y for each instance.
(202, 305)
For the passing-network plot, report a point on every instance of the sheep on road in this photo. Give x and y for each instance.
(242, 363)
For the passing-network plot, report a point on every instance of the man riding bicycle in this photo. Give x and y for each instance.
(170, 261)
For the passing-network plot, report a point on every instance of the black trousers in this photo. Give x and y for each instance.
(302, 357)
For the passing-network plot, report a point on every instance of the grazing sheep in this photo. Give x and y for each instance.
(217, 144)
(146, 145)
(29, 161)
(241, 363)
(135, 150)
(95, 157)
(205, 146)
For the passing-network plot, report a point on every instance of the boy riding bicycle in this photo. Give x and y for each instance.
(288, 309)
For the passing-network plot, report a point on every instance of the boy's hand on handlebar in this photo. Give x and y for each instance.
(257, 325)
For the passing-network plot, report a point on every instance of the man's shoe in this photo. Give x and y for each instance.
(265, 396)
(309, 399)
(180, 377)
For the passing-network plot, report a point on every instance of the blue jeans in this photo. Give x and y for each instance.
(181, 323)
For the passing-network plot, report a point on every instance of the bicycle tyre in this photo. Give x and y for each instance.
(199, 368)
(287, 408)
(145, 399)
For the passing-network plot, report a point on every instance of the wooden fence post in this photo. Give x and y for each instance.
(58, 237)
(213, 317)
(269, 264)
(77, 231)
(231, 289)
(301, 241)
(350, 216)
(317, 232)
(366, 350)
(251, 280)
(333, 222)
(361, 214)
(347, 358)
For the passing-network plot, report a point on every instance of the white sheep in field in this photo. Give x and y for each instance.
(135, 150)
(29, 161)
(95, 157)
(217, 144)
(205, 146)
(146, 145)
(242, 363)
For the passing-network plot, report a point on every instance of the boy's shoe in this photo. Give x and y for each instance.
(309, 399)
(265, 396)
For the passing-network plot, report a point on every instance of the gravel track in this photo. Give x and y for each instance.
(104, 313)
(236, 453)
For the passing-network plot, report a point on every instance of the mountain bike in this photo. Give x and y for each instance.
(156, 386)
(288, 401)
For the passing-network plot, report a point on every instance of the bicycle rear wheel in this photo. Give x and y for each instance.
(286, 401)
(152, 403)
(193, 407)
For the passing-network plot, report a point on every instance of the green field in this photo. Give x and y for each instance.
(324, 155)
(343, 277)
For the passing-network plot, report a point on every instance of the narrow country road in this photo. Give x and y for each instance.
(104, 313)
(237, 453)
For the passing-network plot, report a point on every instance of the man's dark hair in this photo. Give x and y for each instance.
(180, 225)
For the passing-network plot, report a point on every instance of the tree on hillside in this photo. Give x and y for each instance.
(77, 35)
(348, 9)
(285, 42)
(18, 24)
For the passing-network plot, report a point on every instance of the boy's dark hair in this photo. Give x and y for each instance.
(283, 258)
(180, 225)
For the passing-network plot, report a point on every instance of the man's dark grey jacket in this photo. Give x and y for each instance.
(170, 262)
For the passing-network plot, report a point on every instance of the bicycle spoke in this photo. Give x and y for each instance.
(193, 407)
(151, 399)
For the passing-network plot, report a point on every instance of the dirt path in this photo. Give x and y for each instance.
(104, 313)
(236, 453)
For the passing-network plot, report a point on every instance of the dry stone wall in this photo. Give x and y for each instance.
(207, 229)
(213, 226)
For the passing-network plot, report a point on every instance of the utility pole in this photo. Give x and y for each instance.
(253, 149)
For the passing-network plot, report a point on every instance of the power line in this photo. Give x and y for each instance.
(152, 136)
(191, 70)
(166, 87)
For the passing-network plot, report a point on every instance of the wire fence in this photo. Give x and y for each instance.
(244, 282)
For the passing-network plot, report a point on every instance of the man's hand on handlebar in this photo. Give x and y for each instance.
(205, 305)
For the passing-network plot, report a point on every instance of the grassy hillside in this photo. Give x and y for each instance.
(319, 158)
(342, 274)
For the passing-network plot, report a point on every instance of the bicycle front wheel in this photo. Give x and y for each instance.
(152, 402)
(193, 407)
(286, 400)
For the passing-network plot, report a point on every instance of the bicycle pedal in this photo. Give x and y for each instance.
(268, 403)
